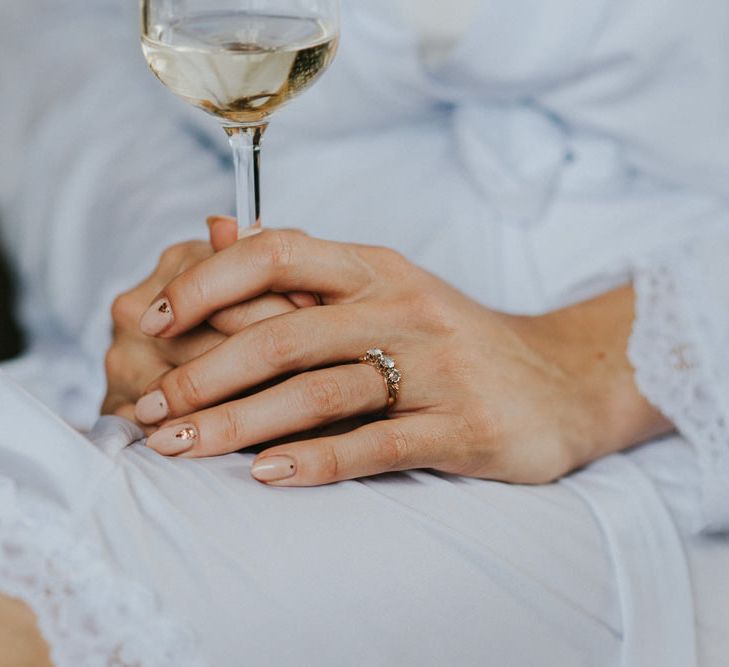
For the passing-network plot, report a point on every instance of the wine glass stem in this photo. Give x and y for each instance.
(246, 145)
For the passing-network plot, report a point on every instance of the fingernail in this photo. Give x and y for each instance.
(158, 317)
(173, 440)
(274, 469)
(152, 408)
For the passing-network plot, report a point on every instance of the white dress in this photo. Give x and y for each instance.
(560, 150)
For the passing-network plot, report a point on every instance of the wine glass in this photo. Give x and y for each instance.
(240, 60)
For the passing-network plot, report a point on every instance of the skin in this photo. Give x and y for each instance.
(21, 641)
(484, 394)
(134, 360)
(518, 399)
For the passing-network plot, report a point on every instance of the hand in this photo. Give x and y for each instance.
(483, 394)
(134, 360)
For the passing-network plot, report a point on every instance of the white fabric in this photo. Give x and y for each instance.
(561, 148)
(410, 569)
(681, 354)
(438, 25)
(86, 610)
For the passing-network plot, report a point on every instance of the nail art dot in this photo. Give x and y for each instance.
(164, 307)
(186, 434)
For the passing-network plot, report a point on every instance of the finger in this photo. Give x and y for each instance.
(130, 306)
(391, 445)
(273, 261)
(299, 341)
(236, 318)
(301, 403)
(183, 349)
(130, 367)
(304, 299)
(223, 231)
(126, 411)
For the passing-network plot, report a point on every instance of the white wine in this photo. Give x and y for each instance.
(239, 66)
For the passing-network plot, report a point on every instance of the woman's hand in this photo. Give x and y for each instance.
(134, 360)
(482, 393)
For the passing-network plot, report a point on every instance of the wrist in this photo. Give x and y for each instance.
(589, 342)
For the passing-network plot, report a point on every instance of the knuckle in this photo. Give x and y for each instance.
(189, 288)
(194, 253)
(394, 451)
(330, 466)
(181, 256)
(233, 430)
(279, 248)
(391, 257)
(476, 446)
(280, 347)
(126, 310)
(172, 256)
(389, 262)
(186, 387)
(477, 425)
(381, 261)
(324, 396)
(432, 313)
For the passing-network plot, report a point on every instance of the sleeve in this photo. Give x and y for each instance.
(680, 350)
(100, 167)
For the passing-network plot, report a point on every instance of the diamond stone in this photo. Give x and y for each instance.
(388, 362)
(375, 353)
(394, 376)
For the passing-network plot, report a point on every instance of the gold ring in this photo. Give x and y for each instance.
(387, 368)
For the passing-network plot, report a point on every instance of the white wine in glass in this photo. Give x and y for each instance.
(240, 61)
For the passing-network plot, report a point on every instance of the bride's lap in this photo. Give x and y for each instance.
(413, 568)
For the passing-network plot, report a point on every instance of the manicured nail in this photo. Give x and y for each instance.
(152, 408)
(158, 317)
(274, 469)
(173, 440)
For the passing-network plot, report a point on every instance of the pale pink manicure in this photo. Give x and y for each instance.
(158, 317)
(274, 469)
(173, 440)
(152, 408)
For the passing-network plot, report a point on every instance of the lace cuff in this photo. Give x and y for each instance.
(679, 351)
(86, 612)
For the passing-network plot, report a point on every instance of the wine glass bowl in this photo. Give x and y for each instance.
(240, 60)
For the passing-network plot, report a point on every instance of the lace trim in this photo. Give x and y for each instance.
(87, 613)
(674, 371)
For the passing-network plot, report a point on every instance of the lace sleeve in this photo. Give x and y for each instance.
(87, 613)
(680, 350)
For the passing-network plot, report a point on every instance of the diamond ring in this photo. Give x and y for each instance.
(386, 367)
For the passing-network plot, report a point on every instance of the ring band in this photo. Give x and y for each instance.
(387, 368)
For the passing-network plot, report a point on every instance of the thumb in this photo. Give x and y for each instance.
(223, 231)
